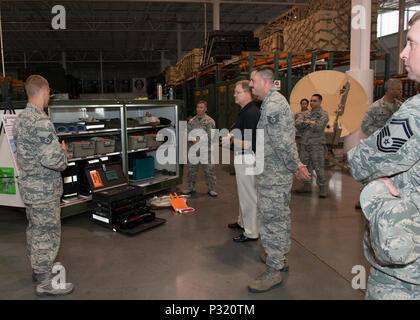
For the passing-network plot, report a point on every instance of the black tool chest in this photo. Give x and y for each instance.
(118, 205)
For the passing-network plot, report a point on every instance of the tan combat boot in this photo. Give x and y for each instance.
(212, 193)
(46, 288)
(307, 188)
(268, 280)
(189, 190)
(322, 192)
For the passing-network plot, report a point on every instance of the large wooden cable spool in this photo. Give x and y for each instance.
(330, 85)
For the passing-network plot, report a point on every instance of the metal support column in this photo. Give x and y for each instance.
(5, 89)
(276, 65)
(313, 62)
(251, 63)
(360, 46)
(185, 98)
(101, 72)
(331, 61)
(216, 15)
(218, 74)
(237, 71)
(124, 140)
(289, 75)
(205, 23)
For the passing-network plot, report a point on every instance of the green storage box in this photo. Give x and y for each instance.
(151, 141)
(82, 148)
(142, 168)
(104, 145)
(136, 142)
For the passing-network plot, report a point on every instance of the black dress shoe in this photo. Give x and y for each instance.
(235, 226)
(243, 238)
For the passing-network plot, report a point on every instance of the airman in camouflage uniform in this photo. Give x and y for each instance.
(381, 110)
(206, 123)
(304, 103)
(312, 126)
(387, 162)
(40, 158)
(281, 161)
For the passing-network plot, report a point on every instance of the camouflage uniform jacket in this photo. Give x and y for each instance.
(394, 152)
(378, 114)
(39, 156)
(312, 133)
(206, 123)
(280, 155)
(298, 131)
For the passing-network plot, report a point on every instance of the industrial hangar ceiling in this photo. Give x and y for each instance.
(130, 31)
(125, 31)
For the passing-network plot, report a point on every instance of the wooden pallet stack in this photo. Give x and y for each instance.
(273, 42)
(271, 34)
(189, 64)
(323, 25)
(322, 30)
(171, 75)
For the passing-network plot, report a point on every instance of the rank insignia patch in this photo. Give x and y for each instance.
(48, 139)
(273, 119)
(393, 136)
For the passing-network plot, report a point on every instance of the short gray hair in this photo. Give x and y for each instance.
(244, 84)
(392, 83)
(265, 71)
(33, 85)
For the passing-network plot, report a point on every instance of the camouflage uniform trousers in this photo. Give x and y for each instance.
(210, 177)
(382, 286)
(299, 145)
(43, 234)
(312, 155)
(273, 215)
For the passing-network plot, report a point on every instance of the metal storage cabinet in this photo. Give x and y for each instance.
(70, 111)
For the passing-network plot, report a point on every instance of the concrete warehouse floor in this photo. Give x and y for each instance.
(194, 257)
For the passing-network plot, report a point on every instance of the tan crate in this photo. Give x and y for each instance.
(323, 30)
(272, 42)
(136, 142)
(323, 25)
(190, 63)
(279, 23)
(171, 75)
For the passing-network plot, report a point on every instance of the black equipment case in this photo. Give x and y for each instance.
(118, 205)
